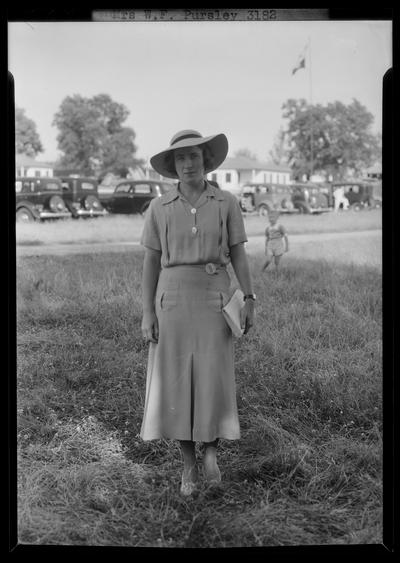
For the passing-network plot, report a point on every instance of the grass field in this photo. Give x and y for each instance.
(307, 469)
(129, 227)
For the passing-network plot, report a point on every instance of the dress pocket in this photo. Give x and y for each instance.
(168, 300)
(215, 300)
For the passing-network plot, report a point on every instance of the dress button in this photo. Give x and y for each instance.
(193, 211)
(194, 230)
(210, 268)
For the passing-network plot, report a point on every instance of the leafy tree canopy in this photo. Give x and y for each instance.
(333, 140)
(92, 137)
(278, 153)
(27, 140)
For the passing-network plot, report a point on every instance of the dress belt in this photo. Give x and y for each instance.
(210, 268)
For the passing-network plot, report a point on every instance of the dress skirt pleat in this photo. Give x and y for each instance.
(190, 385)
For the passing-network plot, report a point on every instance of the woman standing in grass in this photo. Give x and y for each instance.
(275, 234)
(190, 236)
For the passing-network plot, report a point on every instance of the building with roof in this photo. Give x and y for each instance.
(28, 166)
(374, 172)
(236, 171)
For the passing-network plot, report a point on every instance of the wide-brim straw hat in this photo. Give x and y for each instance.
(218, 145)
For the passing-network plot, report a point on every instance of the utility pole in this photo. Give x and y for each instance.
(302, 64)
(311, 115)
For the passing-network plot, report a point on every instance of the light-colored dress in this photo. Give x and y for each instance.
(190, 385)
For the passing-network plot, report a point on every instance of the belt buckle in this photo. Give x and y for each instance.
(211, 268)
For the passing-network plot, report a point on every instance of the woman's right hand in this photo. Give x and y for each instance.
(150, 327)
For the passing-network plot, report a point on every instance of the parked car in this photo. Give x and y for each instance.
(262, 197)
(311, 198)
(38, 199)
(134, 196)
(80, 195)
(361, 194)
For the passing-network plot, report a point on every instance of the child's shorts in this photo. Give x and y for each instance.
(275, 247)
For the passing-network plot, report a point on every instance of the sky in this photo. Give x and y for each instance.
(215, 77)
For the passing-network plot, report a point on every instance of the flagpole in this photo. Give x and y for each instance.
(311, 116)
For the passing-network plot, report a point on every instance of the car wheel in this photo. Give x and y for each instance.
(23, 215)
(356, 207)
(263, 210)
(303, 209)
(108, 205)
(377, 204)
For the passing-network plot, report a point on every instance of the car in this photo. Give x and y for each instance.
(39, 199)
(134, 196)
(80, 195)
(308, 197)
(361, 194)
(262, 197)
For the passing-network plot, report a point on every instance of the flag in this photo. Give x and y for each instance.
(300, 64)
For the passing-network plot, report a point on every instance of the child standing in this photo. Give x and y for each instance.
(275, 234)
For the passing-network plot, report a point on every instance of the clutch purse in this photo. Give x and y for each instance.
(231, 312)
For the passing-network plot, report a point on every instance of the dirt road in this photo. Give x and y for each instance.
(358, 247)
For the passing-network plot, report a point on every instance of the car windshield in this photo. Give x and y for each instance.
(50, 186)
(123, 188)
(142, 189)
(88, 186)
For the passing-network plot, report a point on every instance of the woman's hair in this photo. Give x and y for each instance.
(208, 159)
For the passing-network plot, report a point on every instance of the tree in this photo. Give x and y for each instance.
(27, 140)
(279, 152)
(246, 153)
(91, 135)
(334, 140)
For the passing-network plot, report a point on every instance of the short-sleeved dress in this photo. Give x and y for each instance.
(190, 384)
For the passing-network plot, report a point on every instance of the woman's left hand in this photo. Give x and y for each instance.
(247, 315)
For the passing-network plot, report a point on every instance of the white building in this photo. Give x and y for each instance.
(236, 171)
(374, 172)
(28, 166)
